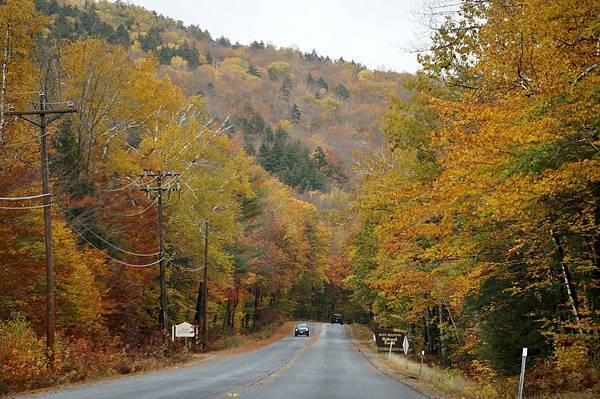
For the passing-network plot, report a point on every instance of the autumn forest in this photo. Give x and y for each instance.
(460, 204)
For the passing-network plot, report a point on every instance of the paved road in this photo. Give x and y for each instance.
(303, 368)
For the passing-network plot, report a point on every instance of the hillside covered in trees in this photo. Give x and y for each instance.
(333, 107)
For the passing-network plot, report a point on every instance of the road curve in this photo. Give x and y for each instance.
(328, 367)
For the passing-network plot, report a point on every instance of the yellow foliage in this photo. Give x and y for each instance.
(365, 74)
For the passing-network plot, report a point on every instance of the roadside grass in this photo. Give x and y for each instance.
(240, 343)
(152, 359)
(435, 383)
(439, 383)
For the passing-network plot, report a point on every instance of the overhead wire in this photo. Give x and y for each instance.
(186, 268)
(24, 198)
(115, 259)
(113, 205)
(113, 245)
(8, 93)
(24, 142)
(140, 212)
(25, 207)
(133, 182)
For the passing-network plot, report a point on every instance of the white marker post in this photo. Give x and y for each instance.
(405, 346)
(522, 377)
(421, 365)
(390, 351)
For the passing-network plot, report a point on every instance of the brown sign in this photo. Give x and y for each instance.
(383, 337)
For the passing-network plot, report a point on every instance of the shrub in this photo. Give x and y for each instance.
(22, 356)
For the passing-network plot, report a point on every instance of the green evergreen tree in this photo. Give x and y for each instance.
(280, 135)
(252, 70)
(190, 54)
(268, 134)
(319, 157)
(264, 157)
(257, 46)
(223, 41)
(121, 36)
(249, 145)
(322, 83)
(295, 114)
(342, 91)
(257, 124)
(151, 40)
(286, 89)
(209, 58)
(164, 55)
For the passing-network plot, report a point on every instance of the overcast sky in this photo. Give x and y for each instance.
(372, 32)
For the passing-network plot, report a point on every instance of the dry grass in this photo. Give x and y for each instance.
(245, 343)
(439, 383)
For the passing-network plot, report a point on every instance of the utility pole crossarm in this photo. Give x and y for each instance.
(41, 112)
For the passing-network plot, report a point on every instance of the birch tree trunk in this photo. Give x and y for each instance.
(4, 79)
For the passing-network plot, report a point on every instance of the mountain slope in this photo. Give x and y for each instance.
(332, 104)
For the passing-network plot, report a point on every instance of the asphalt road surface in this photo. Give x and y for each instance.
(323, 366)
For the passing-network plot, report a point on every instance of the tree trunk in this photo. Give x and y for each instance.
(442, 340)
(4, 78)
(226, 317)
(559, 261)
(232, 315)
(456, 332)
(428, 343)
(256, 315)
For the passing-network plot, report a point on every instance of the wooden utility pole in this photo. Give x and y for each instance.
(159, 176)
(203, 292)
(205, 285)
(43, 124)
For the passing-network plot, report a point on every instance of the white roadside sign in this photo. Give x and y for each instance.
(184, 330)
(405, 345)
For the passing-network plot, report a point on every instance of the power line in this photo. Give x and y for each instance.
(21, 143)
(98, 207)
(113, 245)
(137, 213)
(133, 182)
(187, 269)
(115, 259)
(22, 93)
(26, 207)
(23, 198)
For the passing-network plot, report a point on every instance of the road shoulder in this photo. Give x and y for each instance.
(194, 360)
(379, 361)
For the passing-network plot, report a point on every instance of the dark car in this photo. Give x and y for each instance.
(302, 329)
(337, 318)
